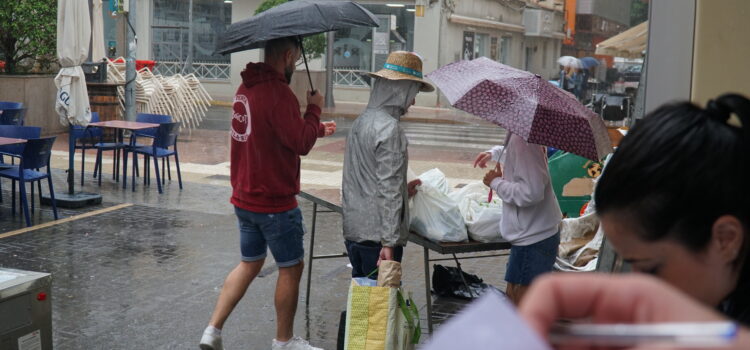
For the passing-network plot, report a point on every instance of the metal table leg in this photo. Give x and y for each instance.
(310, 254)
(428, 294)
(463, 278)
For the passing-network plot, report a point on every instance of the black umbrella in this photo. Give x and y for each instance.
(294, 19)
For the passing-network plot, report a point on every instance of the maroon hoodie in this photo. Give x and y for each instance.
(268, 136)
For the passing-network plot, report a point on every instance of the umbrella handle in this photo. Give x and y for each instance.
(304, 57)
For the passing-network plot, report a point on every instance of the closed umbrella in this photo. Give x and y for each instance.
(97, 32)
(73, 37)
(72, 101)
(524, 104)
(294, 19)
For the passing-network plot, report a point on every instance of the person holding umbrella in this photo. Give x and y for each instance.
(531, 215)
(536, 114)
(375, 193)
(268, 137)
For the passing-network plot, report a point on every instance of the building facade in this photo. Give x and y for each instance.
(596, 21)
(523, 34)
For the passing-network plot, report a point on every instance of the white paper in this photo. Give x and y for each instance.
(31, 341)
(491, 322)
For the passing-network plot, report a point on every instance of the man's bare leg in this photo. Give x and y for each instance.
(234, 289)
(285, 300)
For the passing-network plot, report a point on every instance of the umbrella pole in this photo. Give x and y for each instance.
(304, 57)
(71, 161)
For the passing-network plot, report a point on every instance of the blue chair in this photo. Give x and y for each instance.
(15, 151)
(151, 134)
(166, 137)
(36, 155)
(115, 146)
(12, 113)
(87, 137)
(18, 132)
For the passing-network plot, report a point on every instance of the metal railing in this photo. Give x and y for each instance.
(202, 70)
(350, 77)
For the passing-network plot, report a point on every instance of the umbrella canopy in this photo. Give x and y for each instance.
(524, 104)
(294, 18)
(628, 44)
(73, 37)
(97, 32)
(589, 62)
(569, 61)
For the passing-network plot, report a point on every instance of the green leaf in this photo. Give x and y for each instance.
(315, 45)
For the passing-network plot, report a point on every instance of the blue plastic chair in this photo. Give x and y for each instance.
(151, 134)
(87, 137)
(12, 113)
(103, 146)
(36, 155)
(18, 132)
(15, 151)
(166, 137)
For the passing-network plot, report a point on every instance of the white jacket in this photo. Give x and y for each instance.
(530, 209)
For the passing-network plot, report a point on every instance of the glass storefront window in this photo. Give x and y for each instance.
(366, 49)
(171, 23)
(481, 45)
(504, 49)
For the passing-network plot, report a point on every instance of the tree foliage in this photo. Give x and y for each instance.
(315, 45)
(28, 33)
(638, 12)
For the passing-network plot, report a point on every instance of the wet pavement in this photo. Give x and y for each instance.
(144, 270)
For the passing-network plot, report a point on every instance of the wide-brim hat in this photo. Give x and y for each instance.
(403, 65)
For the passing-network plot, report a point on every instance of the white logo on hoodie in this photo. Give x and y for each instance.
(241, 119)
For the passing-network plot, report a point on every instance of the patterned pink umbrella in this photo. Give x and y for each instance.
(524, 104)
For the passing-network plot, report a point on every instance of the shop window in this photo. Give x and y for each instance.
(359, 50)
(171, 25)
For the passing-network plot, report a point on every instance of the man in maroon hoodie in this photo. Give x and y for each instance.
(268, 136)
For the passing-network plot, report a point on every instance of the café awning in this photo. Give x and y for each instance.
(628, 44)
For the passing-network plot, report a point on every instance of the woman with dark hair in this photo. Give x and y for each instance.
(674, 200)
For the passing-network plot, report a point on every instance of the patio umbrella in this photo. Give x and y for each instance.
(72, 100)
(97, 32)
(589, 62)
(524, 104)
(294, 19)
(73, 37)
(569, 61)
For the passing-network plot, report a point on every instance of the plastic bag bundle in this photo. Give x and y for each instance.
(482, 218)
(433, 214)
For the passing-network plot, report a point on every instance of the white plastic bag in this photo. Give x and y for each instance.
(436, 179)
(482, 218)
(434, 215)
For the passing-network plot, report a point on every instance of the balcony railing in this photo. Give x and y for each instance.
(202, 70)
(350, 78)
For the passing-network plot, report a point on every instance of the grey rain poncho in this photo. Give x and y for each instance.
(375, 200)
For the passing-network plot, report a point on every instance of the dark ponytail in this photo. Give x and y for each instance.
(679, 170)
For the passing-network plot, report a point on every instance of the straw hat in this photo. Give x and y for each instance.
(402, 65)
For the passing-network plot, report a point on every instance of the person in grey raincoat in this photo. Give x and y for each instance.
(374, 189)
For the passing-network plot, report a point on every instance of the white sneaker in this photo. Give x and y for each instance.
(296, 343)
(210, 340)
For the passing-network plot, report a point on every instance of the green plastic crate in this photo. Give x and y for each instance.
(575, 172)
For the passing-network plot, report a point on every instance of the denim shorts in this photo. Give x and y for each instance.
(281, 232)
(528, 262)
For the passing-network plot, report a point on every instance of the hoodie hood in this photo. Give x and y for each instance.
(257, 73)
(393, 96)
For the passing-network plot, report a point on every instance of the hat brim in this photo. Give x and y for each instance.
(393, 75)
